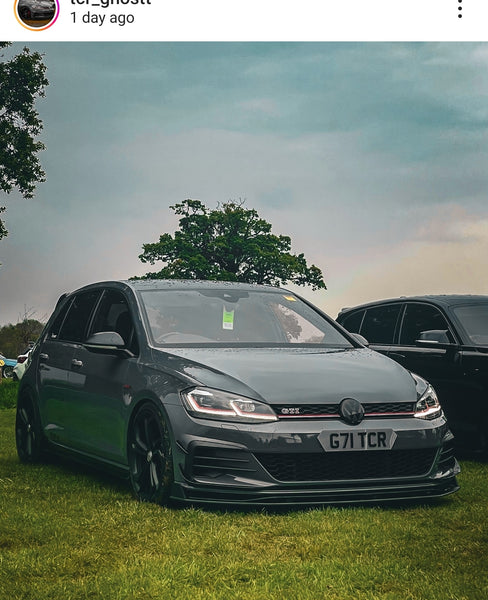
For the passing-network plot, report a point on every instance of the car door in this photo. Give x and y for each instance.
(99, 383)
(56, 363)
(441, 365)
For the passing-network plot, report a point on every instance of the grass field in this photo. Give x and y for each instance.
(67, 533)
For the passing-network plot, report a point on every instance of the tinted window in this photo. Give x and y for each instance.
(353, 321)
(379, 323)
(418, 318)
(76, 322)
(474, 319)
(113, 315)
(58, 321)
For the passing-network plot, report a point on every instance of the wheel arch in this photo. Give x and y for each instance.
(146, 398)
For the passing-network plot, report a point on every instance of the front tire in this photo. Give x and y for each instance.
(28, 435)
(150, 455)
(25, 13)
(8, 372)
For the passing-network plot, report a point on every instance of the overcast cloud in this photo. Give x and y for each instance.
(372, 157)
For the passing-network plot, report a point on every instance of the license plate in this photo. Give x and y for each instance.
(357, 439)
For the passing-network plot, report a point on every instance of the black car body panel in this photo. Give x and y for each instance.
(442, 338)
(286, 438)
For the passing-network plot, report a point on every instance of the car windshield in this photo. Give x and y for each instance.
(474, 319)
(234, 317)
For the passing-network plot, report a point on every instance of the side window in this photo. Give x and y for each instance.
(58, 321)
(420, 317)
(353, 321)
(379, 323)
(113, 315)
(75, 325)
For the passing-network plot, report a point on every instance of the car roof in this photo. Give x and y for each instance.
(443, 300)
(180, 284)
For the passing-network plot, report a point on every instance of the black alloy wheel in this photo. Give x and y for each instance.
(28, 436)
(150, 456)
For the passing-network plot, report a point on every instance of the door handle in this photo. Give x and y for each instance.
(76, 363)
(43, 356)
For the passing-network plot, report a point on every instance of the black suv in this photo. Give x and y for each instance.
(445, 340)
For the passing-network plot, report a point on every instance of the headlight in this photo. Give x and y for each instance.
(427, 406)
(206, 403)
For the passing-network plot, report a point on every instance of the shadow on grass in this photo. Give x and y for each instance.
(69, 466)
(118, 483)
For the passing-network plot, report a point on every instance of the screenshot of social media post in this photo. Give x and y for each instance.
(243, 300)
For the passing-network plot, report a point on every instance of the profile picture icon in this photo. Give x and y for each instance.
(37, 14)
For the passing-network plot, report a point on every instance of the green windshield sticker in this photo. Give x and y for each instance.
(228, 319)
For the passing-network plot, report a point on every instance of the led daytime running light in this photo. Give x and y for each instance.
(428, 406)
(225, 406)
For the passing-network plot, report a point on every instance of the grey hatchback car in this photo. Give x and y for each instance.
(232, 394)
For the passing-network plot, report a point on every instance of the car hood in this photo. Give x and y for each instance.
(295, 375)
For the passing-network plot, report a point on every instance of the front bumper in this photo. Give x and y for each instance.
(284, 463)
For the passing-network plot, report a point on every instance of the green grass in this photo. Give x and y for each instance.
(67, 533)
(8, 393)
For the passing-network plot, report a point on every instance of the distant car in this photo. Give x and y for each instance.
(445, 340)
(36, 9)
(7, 367)
(232, 394)
(18, 370)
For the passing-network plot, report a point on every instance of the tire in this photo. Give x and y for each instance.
(8, 372)
(28, 435)
(25, 13)
(150, 455)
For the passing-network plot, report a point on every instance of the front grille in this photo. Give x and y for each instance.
(348, 465)
(213, 462)
(298, 411)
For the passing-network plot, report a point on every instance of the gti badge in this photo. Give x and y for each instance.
(351, 411)
(290, 411)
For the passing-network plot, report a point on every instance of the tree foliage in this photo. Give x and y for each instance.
(14, 339)
(229, 243)
(22, 81)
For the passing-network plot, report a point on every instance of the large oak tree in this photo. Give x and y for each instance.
(229, 243)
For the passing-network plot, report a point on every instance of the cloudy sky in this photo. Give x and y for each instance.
(373, 157)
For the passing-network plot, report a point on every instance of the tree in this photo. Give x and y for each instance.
(229, 243)
(14, 339)
(22, 81)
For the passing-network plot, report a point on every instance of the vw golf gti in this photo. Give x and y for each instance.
(232, 394)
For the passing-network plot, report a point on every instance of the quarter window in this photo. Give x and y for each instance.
(58, 321)
(418, 318)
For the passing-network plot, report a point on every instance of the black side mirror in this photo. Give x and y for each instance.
(433, 338)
